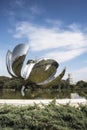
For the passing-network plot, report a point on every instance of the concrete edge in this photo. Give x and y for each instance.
(18, 102)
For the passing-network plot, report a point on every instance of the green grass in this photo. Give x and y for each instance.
(47, 117)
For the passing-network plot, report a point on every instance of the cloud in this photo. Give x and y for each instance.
(19, 3)
(35, 10)
(16, 4)
(54, 22)
(3, 51)
(66, 43)
(65, 55)
(3, 70)
(77, 74)
(75, 27)
(80, 74)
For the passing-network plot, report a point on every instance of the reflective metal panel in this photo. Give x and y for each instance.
(19, 50)
(17, 65)
(28, 68)
(9, 63)
(53, 81)
(43, 70)
(18, 57)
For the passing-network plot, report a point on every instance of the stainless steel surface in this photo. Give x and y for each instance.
(41, 72)
(19, 50)
(15, 59)
(9, 63)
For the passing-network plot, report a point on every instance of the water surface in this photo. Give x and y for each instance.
(43, 94)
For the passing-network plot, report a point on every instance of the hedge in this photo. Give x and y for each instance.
(45, 117)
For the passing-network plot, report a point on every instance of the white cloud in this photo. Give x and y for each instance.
(16, 4)
(67, 44)
(35, 9)
(77, 74)
(80, 74)
(65, 55)
(54, 22)
(3, 69)
(75, 27)
(19, 3)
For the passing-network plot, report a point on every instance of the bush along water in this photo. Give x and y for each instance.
(45, 117)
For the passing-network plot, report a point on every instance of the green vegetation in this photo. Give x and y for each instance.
(15, 83)
(10, 83)
(3, 80)
(47, 117)
(82, 84)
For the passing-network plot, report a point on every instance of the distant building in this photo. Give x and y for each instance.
(70, 78)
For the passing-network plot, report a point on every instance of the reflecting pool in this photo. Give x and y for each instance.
(43, 94)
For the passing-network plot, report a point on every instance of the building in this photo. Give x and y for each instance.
(70, 78)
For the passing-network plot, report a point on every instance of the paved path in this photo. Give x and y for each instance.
(72, 102)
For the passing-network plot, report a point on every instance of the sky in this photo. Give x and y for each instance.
(55, 29)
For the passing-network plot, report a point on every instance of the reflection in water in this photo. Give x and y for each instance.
(75, 96)
(42, 94)
(23, 91)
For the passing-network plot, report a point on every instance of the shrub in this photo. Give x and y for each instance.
(47, 117)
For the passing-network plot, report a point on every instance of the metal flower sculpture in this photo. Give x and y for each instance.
(40, 72)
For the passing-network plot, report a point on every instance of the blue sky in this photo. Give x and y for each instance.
(54, 29)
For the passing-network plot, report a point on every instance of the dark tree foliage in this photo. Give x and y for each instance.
(10, 83)
(15, 83)
(82, 84)
(45, 117)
